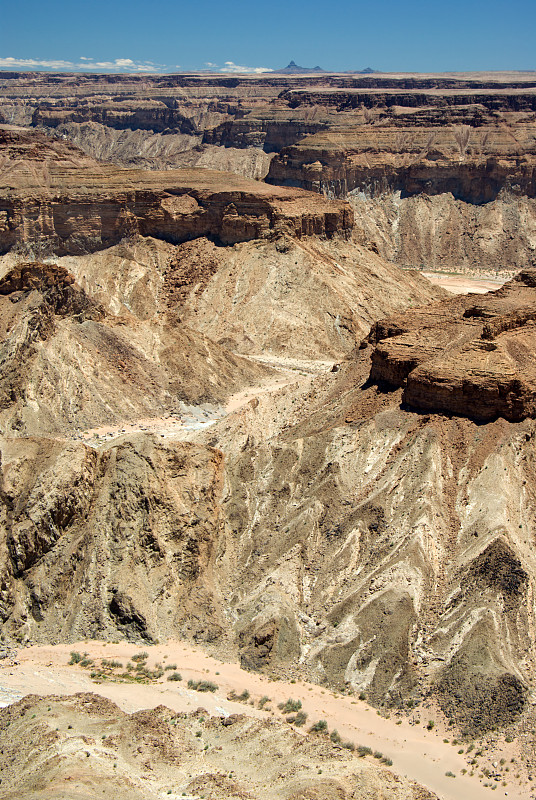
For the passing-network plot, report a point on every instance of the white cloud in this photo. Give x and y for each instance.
(118, 65)
(89, 64)
(230, 66)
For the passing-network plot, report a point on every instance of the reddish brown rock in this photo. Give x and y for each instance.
(465, 358)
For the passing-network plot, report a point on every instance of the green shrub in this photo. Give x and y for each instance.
(202, 686)
(290, 707)
(264, 699)
(175, 676)
(300, 718)
(140, 657)
(76, 658)
(363, 750)
(319, 727)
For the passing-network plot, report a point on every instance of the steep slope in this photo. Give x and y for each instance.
(303, 298)
(383, 550)
(67, 365)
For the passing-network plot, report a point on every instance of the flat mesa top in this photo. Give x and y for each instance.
(30, 163)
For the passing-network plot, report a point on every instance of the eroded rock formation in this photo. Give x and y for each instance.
(53, 199)
(468, 356)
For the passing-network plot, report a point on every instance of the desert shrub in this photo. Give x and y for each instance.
(300, 718)
(290, 707)
(264, 699)
(335, 737)
(76, 658)
(202, 686)
(175, 676)
(111, 664)
(170, 667)
(430, 724)
(319, 727)
(140, 657)
(363, 750)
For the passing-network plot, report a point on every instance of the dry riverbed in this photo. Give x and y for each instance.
(427, 754)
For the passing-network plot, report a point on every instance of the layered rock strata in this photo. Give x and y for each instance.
(53, 199)
(468, 356)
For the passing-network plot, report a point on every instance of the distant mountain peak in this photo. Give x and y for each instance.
(292, 67)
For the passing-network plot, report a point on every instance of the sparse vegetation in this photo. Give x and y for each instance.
(291, 706)
(175, 676)
(76, 658)
(140, 656)
(319, 727)
(203, 686)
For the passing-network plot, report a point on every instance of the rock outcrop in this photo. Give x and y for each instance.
(468, 356)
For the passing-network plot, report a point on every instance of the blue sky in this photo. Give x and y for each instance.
(163, 36)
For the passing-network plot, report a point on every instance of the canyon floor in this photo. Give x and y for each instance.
(429, 755)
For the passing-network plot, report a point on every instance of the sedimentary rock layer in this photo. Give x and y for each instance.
(469, 356)
(53, 199)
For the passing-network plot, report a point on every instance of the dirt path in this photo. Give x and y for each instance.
(416, 752)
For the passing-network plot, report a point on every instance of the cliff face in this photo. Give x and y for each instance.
(462, 356)
(387, 143)
(55, 200)
(444, 197)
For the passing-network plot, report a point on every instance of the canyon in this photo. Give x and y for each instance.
(234, 413)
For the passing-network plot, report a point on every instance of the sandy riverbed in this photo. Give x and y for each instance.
(466, 283)
(418, 753)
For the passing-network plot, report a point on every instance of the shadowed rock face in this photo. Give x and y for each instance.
(466, 357)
